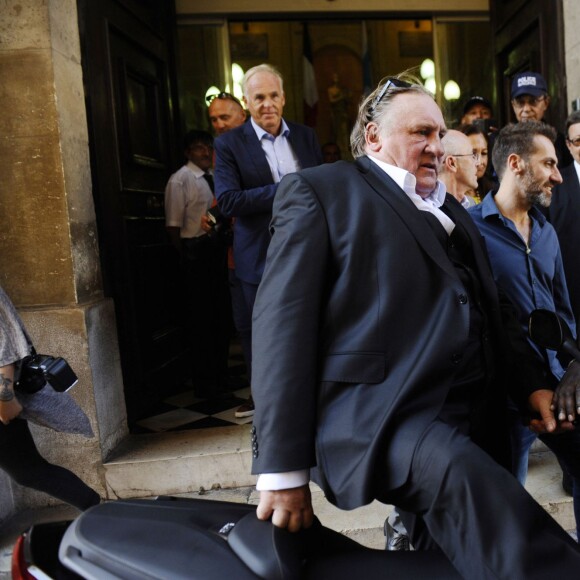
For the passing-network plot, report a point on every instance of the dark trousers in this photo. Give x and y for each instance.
(249, 292)
(478, 514)
(242, 319)
(565, 446)
(208, 313)
(20, 459)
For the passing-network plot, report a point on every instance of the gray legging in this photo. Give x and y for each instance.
(20, 458)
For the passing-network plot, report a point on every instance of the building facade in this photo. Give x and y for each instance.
(60, 262)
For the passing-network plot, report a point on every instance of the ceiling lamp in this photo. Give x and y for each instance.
(451, 91)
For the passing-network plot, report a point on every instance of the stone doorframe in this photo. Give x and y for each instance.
(50, 261)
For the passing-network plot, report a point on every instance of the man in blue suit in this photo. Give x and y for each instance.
(250, 162)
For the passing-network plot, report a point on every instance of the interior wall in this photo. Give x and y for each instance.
(228, 7)
(572, 49)
(336, 45)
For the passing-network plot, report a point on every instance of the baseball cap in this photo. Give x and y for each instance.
(477, 100)
(528, 83)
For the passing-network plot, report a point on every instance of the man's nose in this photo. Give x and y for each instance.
(436, 147)
(556, 176)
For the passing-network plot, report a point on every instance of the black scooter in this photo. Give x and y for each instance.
(175, 538)
(191, 539)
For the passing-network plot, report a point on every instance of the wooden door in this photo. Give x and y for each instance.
(127, 48)
(529, 36)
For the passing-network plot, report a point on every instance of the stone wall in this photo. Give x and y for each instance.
(48, 241)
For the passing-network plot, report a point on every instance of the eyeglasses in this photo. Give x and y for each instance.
(475, 156)
(227, 96)
(391, 82)
(575, 141)
(521, 102)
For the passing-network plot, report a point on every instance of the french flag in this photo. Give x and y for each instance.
(309, 82)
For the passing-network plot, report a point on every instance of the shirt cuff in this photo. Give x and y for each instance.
(284, 480)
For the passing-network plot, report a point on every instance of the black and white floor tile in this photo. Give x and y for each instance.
(184, 411)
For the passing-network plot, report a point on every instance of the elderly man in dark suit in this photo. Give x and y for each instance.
(379, 354)
(564, 213)
(250, 162)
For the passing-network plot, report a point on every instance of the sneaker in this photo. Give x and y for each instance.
(396, 541)
(245, 410)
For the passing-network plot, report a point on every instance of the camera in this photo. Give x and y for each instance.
(38, 369)
(486, 125)
(221, 228)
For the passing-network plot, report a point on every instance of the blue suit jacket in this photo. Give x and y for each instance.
(245, 190)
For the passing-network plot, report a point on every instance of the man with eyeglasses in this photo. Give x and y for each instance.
(380, 348)
(459, 167)
(564, 213)
(188, 196)
(250, 162)
(225, 112)
(530, 102)
(527, 267)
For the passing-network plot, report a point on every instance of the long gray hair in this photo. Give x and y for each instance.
(375, 107)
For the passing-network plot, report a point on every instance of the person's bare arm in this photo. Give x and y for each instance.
(288, 508)
(10, 408)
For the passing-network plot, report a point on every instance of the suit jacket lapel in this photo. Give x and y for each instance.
(257, 154)
(299, 146)
(480, 254)
(572, 184)
(409, 214)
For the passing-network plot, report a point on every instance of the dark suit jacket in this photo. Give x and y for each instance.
(245, 190)
(564, 214)
(359, 325)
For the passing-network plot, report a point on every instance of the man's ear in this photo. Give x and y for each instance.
(372, 137)
(450, 164)
(515, 164)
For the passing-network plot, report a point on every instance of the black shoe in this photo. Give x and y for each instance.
(396, 541)
(245, 410)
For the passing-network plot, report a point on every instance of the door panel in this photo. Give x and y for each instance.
(127, 65)
(528, 35)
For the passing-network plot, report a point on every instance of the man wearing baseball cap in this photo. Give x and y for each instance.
(530, 101)
(476, 108)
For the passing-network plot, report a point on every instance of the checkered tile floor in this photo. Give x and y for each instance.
(184, 410)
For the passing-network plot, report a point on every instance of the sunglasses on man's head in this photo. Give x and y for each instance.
(223, 96)
(391, 82)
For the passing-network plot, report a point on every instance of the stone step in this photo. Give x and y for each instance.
(215, 463)
(180, 462)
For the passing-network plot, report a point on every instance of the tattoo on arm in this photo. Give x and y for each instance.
(6, 392)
